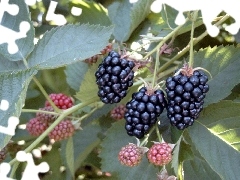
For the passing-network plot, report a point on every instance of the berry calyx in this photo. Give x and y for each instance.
(36, 126)
(107, 49)
(61, 100)
(185, 93)
(113, 77)
(118, 112)
(130, 155)
(49, 118)
(143, 110)
(63, 130)
(160, 154)
(92, 59)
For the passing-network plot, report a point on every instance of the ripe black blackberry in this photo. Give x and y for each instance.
(142, 111)
(113, 77)
(185, 93)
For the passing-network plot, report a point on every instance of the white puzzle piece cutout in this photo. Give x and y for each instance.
(31, 170)
(12, 9)
(4, 170)
(12, 121)
(8, 35)
(12, 124)
(30, 2)
(210, 9)
(4, 105)
(59, 19)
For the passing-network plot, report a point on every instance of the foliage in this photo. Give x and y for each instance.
(207, 150)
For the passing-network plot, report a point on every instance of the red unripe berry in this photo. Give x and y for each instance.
(3, 154)
(63, 130)
(36, 127)
(160, 154)
(130, 155)
(118, 112)
(49, 118)
(62, 101)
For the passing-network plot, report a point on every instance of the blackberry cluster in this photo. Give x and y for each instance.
(142, 111)
(113, 77)
(185, 96)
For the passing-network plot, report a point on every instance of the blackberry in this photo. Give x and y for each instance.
(185, 93)
(142, 111)
(113, 77)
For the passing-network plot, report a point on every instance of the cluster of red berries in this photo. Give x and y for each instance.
(159, 154)
(37, 125)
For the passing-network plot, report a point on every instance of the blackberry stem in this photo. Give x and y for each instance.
(45, 112)
(41, 111)
(55, 123)
(158, 133)
(56, 109)
(171, 34)
(145, 140)
(191, 59)
(186, 49)
(180, 169)
(155, 68)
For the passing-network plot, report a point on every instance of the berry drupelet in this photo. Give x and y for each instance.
(142, 111)
(185, 93)
(113, 77)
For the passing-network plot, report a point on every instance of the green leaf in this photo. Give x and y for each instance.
(69, 155)
(75, 74)
(182, 152)
(25, 44)
(116, 138)
(68, 44)
(92, 12)
(105, 109)
(126, 17)
(216, 136)
(54, 161)
(13, 89)
(224, 65)
(198, 168)
(88, 87)
(9, 66)
(83, 143)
